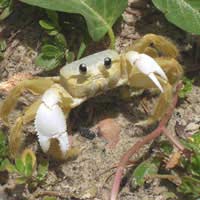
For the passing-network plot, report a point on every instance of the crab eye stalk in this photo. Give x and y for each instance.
(83, 68)
(107, 62)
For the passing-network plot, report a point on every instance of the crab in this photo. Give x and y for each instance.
(151, 62)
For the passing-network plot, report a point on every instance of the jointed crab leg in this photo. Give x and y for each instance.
(163, 103)
(36, 86)
(155, 46)
(172, 69)
(164, 99)
(15, 136)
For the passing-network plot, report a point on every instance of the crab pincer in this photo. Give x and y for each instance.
(50, 122)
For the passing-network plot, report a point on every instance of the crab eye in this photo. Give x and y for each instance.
(82, 68)
(107, 62)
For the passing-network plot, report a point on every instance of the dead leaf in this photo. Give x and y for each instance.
(174, 160)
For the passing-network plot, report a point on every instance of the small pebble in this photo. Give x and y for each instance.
(87, 133)
(192, 127)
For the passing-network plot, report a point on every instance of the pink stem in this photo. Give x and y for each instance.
(154, 134)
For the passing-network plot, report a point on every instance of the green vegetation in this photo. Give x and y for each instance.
(2, 48)
(187, 87)
(99, 15)
(54, 48)
(183, 13)
(186, 171)
(6, 8)
(3, 147)
(26, 169)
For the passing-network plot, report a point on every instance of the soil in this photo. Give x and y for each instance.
(91, 172)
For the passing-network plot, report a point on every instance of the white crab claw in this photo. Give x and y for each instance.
(50, 122)
(148, 66)
(155, 80)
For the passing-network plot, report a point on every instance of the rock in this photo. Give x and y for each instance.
(110, 131)
(191, 127)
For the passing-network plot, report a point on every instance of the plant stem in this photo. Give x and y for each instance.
(135, 148)
(112, 38)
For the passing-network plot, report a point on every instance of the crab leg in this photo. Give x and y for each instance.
(155, 46)
(15, 136)
(36, 86)
(172, 68)
(162, 105)
(140, 80)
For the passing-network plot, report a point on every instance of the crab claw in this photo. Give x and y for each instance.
(50, 122)
(148, 66)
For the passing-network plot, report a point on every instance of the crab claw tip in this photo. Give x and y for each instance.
(63, 142)
(44, 143)
(155, 80)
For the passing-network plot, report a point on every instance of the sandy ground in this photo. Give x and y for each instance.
(90, 169)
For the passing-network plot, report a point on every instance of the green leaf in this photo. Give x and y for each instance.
(100, 15)
(52, 32)
(194, 167)
(183, 13)
(195, 139)
(6, 12)
(4, 3)
(7, 8)
(28, 166)
(29, 160)
(192, 164)
(142, 171)
(187, 87)
(194, 3)
(69, 55)
(169, 195)
(49, 198)
(190, 186)
(81, 50)
(50, 51)
(46, 25)
(3, 146)
(2, 45)
(166, 147)
(49, 63)
(60, 41)
(19, 165)
(6, 165)
(53, 16)
(193, 142)
(42, 170)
